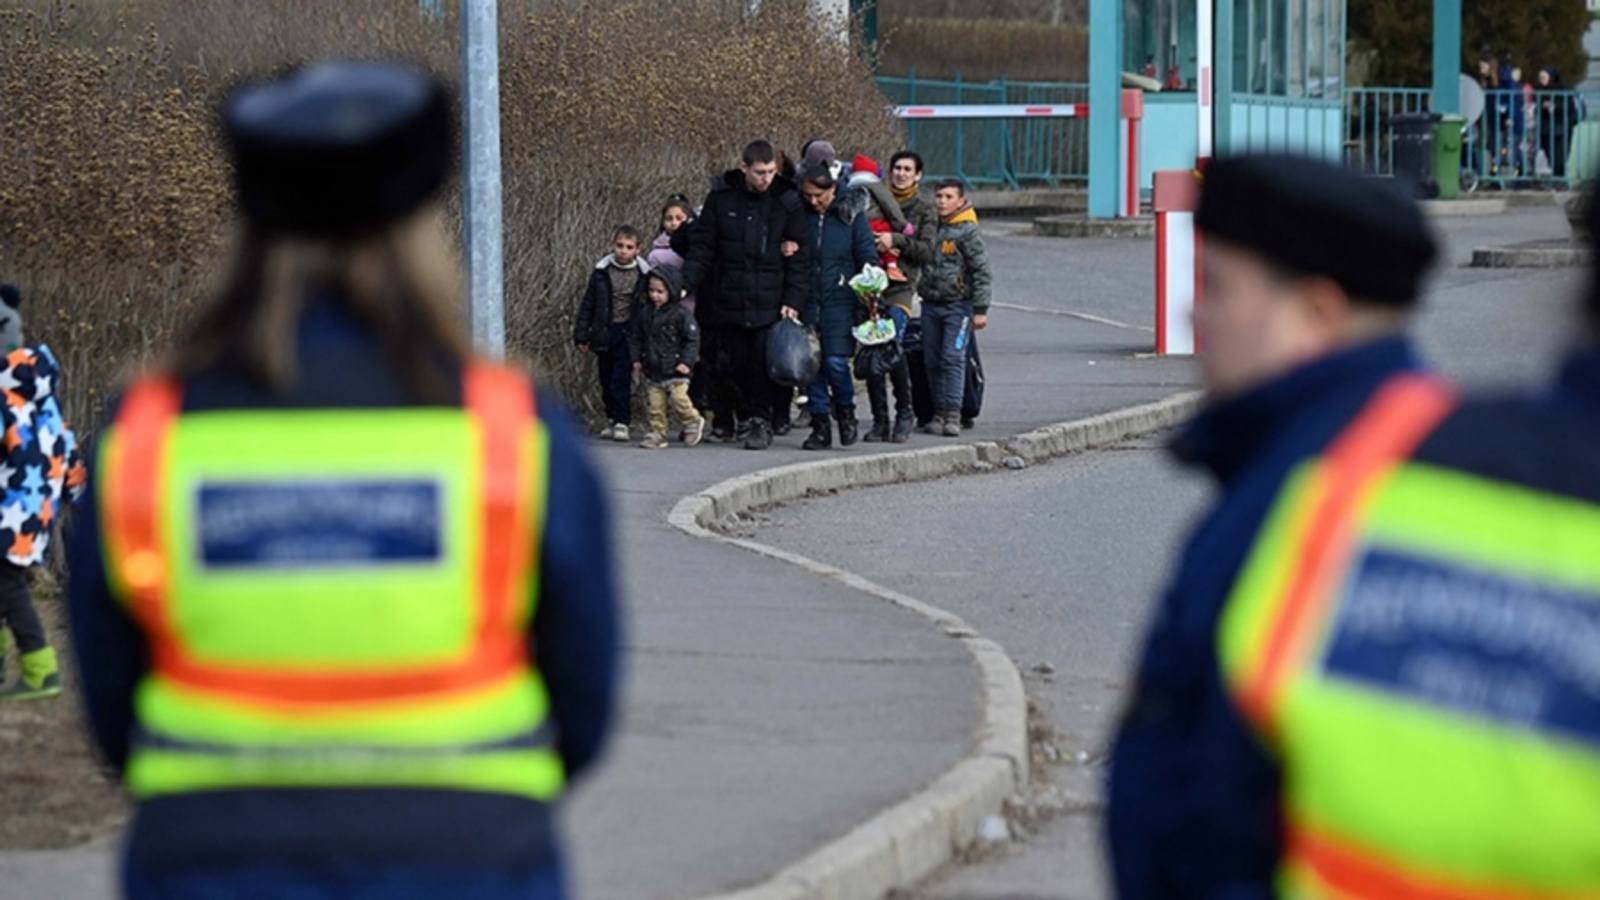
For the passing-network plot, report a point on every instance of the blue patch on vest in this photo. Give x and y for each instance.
(298, 524)
(1509, 649)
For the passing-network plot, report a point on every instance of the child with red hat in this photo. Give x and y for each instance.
(883, 211)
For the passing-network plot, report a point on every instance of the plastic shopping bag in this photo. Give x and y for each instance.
(870, 284)
(794, 353)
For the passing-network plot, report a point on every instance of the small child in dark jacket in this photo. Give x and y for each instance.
(665, 344)
(605, 318)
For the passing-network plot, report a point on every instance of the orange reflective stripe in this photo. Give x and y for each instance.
(1348, 871)
(1404, 411)
(133, 504)
(500, 400)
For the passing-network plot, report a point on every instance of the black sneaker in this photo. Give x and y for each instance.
(966, 424)
(759, 436)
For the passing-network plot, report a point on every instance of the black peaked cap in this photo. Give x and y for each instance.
(1314, 218)
(339, 147)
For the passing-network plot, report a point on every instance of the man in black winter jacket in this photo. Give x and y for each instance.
(744, 282)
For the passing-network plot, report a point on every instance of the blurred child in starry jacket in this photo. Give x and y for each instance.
(40, 462)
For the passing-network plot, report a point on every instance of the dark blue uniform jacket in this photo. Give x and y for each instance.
(365, 842)
(1194, 802)
(1192, 805)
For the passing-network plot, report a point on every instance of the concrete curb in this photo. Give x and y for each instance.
(1081, 226)
(1477, 206)
(903, 845)
(1551, 256)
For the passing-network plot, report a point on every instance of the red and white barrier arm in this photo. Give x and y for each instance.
(994, 111)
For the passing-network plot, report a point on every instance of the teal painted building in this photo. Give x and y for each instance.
(1278, 89)
(1278, 77)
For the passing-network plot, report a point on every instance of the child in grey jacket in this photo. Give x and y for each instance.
(955, 291)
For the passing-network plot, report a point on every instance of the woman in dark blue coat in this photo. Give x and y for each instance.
(841, 244)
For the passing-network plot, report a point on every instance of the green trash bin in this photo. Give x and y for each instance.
(1447, 156)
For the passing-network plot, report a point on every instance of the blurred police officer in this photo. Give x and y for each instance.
(1311, 275)
(1415, 640)
(343, 599)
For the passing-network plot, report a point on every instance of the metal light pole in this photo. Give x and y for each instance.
(1205, 58)
(482, 229)
(1447, 56)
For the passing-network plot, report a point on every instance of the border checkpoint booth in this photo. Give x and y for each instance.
(1220, 77)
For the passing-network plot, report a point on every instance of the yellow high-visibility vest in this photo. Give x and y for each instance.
(1419, 647)
(333, 598)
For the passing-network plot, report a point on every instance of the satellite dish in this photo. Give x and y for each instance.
(1471, 100)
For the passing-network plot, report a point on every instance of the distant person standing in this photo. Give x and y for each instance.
(343, 595)
(742, 278)
(1493, 123)
(1312, 274)
(1558, 115)
(1513, 108)
(955, 291)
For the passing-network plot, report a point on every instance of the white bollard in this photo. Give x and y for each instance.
(1175, 198)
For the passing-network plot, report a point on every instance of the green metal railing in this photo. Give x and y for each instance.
(1004, 152)
(1552, 145)
(1517, 143)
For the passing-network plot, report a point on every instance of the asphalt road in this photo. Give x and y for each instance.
(1060, 562)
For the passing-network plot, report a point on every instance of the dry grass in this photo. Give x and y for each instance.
(984, 49)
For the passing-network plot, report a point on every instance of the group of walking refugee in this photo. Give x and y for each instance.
(691, 318)
(342, 591)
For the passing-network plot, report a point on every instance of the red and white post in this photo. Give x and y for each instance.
(1132, 115)
(1176, 197)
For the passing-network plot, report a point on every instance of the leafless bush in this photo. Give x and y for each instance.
(984, 49)
(114, 201)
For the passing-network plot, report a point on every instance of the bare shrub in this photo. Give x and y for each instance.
(111, 202)
(114, 201)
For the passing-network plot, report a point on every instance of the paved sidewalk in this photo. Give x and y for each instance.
(768, 712)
